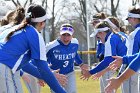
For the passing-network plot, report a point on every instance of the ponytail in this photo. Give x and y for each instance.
(21, 26)
(35, 14)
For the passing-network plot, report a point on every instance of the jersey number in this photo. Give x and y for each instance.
(66, 63)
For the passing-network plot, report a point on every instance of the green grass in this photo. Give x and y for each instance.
(90, 86)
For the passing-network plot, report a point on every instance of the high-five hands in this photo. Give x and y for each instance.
(85, 72)
(116, 63)
(60, 77)
(113, 85)
(41, 82)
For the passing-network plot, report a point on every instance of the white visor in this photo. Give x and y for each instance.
(110, 23)
(99, 30)
(39, 19)
(133, 15)
(94, 19)
(68, 30)
(63, 32)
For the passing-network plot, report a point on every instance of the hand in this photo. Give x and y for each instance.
(41, 82)
(84, 66)
(26, 78)
(116, 63)
(113, 85)
(61, 78)
(97, 75)
(85, 74)
(84, 71)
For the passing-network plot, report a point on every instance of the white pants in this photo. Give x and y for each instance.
(71, 84)
(33, 86)
(103, 80)
(131, 85)
(9, 82)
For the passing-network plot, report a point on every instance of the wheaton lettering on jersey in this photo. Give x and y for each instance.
(64, 56)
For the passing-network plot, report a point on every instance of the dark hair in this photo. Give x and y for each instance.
(105, 24)
(99, 16)
(7, 18)
(15, 16)
(4, 22)
(67, 25)
(116, 22)
(123, 29)
(134, 10)
(18, 15)
(34, 11)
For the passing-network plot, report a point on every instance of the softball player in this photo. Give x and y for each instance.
(100, 46)
(9, 23)
(133, 67)
(114, 45)
(114, 23)
(11, 19)
(22, 45)
(131, 85)
(134, 19)
(62, 53)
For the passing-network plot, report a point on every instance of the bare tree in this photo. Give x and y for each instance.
(45, 3)
(17, 3)
(114, 8)
(134, 2)
(105, 5)
(98, 5)
(83, 12)
(57, 13)
(52, 21)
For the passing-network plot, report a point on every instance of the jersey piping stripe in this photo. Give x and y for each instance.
(18, 62)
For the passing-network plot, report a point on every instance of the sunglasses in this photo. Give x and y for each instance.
(67, 28)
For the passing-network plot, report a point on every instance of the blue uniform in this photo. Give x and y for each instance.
(132, 61)
(114, 45)
(62, 57)
(123, 67)
(133, 48)
(100, 50)
(23, 46)
(134, 39)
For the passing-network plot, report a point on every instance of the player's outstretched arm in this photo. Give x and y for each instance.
(114, 83)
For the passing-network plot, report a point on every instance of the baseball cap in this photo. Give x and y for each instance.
(66, 28)
(132, 15)
(99, 30)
